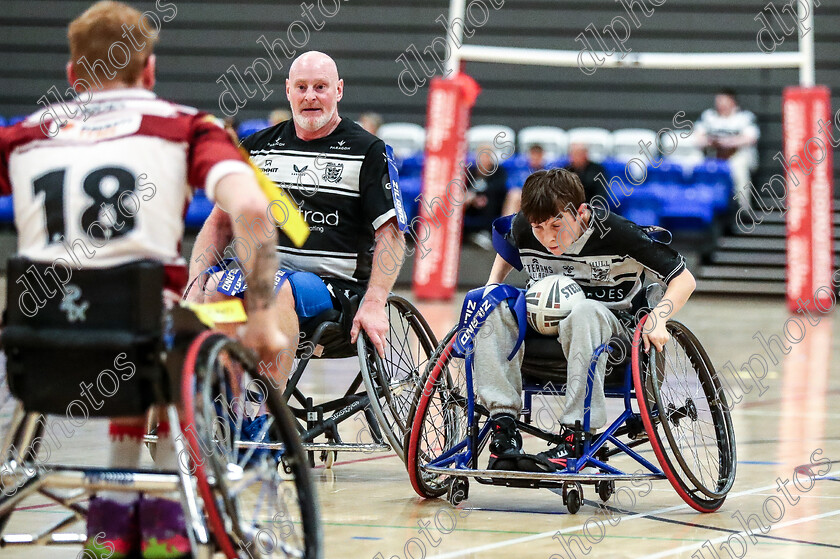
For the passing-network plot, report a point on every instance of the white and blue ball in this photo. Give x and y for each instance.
(550, 300)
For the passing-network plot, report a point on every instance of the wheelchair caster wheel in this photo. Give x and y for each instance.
(573, 501)
(328, 458)
(458, 491)
(605, 489)
(284, 470)
(572, 496)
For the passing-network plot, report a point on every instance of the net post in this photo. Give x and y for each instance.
(455, 37)
(806, 43)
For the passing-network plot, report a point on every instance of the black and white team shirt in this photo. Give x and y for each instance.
(343, 189)
(610, 261)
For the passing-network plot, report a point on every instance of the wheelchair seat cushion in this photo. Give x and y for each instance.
(331, 327)
(98, 346)
(544, 360)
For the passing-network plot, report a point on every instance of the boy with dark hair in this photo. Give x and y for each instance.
(556, 232)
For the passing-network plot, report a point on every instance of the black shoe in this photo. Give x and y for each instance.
(559, 455)
(506, 444)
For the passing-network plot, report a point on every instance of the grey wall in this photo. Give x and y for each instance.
(366, 36)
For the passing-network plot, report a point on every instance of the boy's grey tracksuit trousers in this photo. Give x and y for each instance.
(498, 382)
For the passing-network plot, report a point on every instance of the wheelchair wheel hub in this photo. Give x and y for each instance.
(688, 410)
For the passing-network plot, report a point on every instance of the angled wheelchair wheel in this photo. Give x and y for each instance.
(253, 476)
(440, 421)
(686, 416)
(391, 381)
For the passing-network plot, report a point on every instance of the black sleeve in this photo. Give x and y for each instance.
(663, 261)
(375, 187)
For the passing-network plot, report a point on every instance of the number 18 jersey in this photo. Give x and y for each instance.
(113, 187)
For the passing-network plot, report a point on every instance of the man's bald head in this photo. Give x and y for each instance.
(314, 90)
(314, 61)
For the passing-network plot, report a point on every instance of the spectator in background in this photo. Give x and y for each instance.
(536, 162)
(536, 159)
(731, 133)
(486, 191)
(370, 122)
(278, 115)
(587, 170)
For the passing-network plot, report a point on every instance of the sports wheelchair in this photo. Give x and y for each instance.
(681, 411)
(114, 336)
(383, 388)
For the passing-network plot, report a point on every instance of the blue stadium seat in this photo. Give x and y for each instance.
(248, 127)
(714, 174)
(7, 210)
(685, 207)
(615, 168)
(411, 166)
(643, 207)
(199, 209)
(667, 173)
(517, 170)
(712, 171)
(514, 162)
(559, 162)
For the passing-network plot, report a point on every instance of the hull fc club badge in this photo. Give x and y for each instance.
(333, 172)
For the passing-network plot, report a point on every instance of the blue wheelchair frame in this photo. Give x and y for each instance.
(463, 456)
(460, 462)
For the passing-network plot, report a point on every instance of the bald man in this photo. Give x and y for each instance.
(338, 174)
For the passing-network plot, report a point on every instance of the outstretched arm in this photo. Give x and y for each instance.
(678, 292)
(215, 235)
(388, 256)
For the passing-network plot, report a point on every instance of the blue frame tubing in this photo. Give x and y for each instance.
(464, 455)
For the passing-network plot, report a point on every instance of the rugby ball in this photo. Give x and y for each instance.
(549, 301)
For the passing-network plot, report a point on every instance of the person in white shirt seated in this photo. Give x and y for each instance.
(731, 133)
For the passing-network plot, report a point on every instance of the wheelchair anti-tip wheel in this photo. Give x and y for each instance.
(441, 418)
(391, 381)
(257, 491)
(686, 416)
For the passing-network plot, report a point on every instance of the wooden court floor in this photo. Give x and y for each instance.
(369, 510)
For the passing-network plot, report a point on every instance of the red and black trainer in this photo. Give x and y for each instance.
(506, 444)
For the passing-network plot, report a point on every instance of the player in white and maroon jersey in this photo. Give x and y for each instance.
(105, 180)
(115, 187)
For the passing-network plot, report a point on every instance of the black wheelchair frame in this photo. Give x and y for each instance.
(382, 388)
(179, 364)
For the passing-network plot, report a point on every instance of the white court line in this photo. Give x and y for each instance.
(671, 552)
(523, 539)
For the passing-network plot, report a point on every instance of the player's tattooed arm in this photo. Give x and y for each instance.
(210, 243)
(261, 281)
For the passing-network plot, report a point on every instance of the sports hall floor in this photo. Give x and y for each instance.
(368, 506)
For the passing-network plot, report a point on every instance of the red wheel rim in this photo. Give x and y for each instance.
(653, 438)
(417, 425)
(214, 519)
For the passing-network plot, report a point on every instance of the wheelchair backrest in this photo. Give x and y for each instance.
(94, 339)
